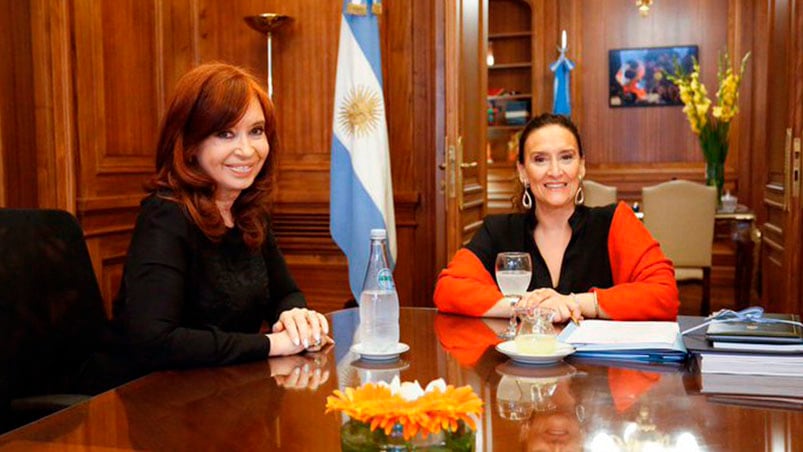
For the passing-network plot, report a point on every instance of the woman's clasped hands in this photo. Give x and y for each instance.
(299, 329)
(300, 371)
(566, 307)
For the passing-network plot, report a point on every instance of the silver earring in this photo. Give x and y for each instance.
(579, 197)
(526, 199)
(580, 412)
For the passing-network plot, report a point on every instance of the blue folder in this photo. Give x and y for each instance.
(652, 353)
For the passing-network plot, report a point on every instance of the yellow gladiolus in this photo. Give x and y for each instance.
(694, 95)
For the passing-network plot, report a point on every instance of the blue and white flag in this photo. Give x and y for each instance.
(561, 104)
(361, 196)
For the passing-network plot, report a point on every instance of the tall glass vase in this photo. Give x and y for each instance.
(715, 151)
(715, 176)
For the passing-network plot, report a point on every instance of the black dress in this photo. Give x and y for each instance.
(185, 301)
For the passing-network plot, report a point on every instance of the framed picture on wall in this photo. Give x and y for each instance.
(636, 76)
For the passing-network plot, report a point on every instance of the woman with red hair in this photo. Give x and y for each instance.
(203, 269)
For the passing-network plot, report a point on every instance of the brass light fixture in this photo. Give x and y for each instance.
(265, 23)
(644, 7)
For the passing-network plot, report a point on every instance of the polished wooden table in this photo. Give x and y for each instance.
(572, 406)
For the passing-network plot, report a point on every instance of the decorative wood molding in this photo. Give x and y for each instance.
(2, 167)
(304, 229)
(54, 97)
(96, 203)
(630, 179)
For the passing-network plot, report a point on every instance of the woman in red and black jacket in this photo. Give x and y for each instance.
(587, 262)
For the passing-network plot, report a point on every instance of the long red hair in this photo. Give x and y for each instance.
(208, 99)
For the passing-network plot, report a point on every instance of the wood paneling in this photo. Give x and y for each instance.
(17, 136)
(644, 135)
(779, 42)
(304, 93)
(120, 72)
(53, 86)
(101, 72)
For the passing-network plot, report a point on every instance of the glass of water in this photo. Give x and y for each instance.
(513, 273)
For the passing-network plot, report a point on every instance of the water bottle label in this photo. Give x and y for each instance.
(385, 279)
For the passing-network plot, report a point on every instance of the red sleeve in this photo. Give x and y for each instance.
(465, 339)
(628, 386)
(644, 279)
(465, 286)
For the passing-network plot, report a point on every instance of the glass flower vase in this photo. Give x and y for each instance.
(357, 436)
(715, 151)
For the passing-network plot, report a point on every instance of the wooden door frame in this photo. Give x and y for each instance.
(452, 101)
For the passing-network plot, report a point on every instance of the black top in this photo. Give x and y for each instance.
(186, 301)
(585, 263)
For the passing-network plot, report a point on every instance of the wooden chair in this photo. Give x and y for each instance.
(597, 195)
(680, 215)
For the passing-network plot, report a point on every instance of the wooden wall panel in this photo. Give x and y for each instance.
(127, 55)
(102, 71)
(305, 59)
(644, 135)
(17, 137)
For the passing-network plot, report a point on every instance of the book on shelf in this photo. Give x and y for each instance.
(781, 331)
(625, 340)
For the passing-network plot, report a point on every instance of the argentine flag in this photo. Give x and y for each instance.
(361, 196)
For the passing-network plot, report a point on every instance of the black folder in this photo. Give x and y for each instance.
(755, 332)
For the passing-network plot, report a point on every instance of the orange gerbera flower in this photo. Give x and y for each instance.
(435, 410)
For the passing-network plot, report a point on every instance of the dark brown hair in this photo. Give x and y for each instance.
(208, 99)
(543, 120)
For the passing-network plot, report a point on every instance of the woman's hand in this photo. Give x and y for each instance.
(299, 372)
(281, 344)
(565, 306)
(305, 327)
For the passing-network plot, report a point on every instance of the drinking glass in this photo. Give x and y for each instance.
(513, 273)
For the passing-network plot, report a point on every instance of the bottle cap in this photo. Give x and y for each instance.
(378, 234)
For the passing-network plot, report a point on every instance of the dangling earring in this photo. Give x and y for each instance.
(580, 412)
(526, 199)
(579, 197)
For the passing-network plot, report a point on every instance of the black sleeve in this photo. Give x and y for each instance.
(155, 277)
(284, 292)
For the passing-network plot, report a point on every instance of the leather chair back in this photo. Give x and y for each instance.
(598, 195)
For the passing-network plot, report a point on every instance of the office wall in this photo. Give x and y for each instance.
(633, 147)
(101, 71)
(18, 169)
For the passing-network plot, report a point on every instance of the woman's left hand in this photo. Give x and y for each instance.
(565, 306)
(304, 326)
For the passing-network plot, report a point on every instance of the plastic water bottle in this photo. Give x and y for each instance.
(379, 302)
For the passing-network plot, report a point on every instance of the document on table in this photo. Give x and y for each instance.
(649, 341)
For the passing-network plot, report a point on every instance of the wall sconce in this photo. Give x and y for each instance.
(643, 7)
(265, 23)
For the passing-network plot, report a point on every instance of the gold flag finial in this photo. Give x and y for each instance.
(356, 8)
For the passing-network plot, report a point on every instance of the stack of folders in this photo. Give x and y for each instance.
(753, 360)
(649, 342)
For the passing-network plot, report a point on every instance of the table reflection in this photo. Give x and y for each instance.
(574, 405)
